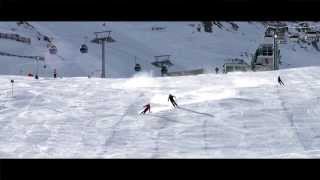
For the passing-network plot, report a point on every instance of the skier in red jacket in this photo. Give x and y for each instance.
(147, 108)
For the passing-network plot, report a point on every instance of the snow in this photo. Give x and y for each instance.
(238, 115)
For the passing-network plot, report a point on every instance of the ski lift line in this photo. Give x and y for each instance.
(129, 54)
(37, 58)
(33, 29)
(71, 37)
(135, 59)
(125, 52)
(124, 44)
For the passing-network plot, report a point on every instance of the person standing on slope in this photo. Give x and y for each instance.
(146, 108)
(199, 28)
(54, 73)
(171, 99)
(280, 81)
(217, 70)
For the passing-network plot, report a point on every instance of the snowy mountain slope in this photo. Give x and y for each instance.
(189, 49)
(244, 115)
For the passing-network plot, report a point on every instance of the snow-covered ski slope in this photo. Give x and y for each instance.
(238, 115)
(189, 49)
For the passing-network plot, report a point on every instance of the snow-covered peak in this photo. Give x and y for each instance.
(140, 41)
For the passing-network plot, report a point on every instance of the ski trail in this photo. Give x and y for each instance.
(311, 110)
(109, 140)
(156, 149)
(289, 116)
(205, 136)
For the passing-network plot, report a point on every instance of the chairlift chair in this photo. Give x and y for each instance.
(84, 48)
(137, 67)
(53, 50)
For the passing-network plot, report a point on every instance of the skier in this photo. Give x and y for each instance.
(147, 108)
(217, 70)
(171, 99)
(199, 28)
(54, 73)
(280, 81)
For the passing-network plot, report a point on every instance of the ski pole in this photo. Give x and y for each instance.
(12, 81)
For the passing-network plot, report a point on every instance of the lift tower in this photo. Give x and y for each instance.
(101, 38)
(162, 62)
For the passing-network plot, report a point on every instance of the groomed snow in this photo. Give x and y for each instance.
(238, 115)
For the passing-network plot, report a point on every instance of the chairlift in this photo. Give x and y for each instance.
(53, 50)
(84, 48)
(137, 67)
(46, 38)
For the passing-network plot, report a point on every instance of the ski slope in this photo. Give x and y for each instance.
(238, 115)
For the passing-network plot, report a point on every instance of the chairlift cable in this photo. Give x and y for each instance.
(129, 54)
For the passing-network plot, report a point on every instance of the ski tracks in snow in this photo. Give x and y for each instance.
(116, 126)
(303, 118)
(289, 115)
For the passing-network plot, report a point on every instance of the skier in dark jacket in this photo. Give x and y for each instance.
(217, 70)
(171, 99)
(280, 81)
(147, 108)
(54, 73)
(199, 28)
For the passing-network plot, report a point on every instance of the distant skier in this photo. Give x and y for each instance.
(171, 99)
(217, 70)
(199, 28)
(54, 73)
(280, 81)
(146, 108)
